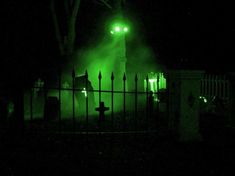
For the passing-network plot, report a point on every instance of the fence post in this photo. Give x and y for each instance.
(205, 90)
(227, 86)
(147, 96)
(86, 77)
(136, 101)
(212, 85)
(31, 105)
(216, 85)
(221, 87)
(73, 99)
(59, 100)
(208, 86)
(124, 101)
(99, 77)
(158, 95)
(112, 82)
(202, 89)
(46, 88)
(223, 80)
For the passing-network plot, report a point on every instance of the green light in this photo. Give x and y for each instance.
(11, 108)
(117, 28)
(125, 29)
(203, 98)
(156, 82)
(156, 100)
(84, 91)
(153, 82)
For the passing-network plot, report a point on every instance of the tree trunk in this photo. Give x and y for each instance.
(66, 42)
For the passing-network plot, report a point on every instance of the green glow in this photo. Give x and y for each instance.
(156, 82)
(119, 28)
(84, 92)
(203, 98)
(156, 100)
(11, 108)
(107, 56)
(153, 82)
(125, 29)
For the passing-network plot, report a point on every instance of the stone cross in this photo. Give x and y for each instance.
(101, 109)
(38, 84)
(65, 85)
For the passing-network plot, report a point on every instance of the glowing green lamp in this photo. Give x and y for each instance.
(119, 28)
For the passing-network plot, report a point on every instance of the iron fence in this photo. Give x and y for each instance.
(215, 86)
(137, 109)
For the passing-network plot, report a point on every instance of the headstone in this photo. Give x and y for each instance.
(38, 85)
(51, 110)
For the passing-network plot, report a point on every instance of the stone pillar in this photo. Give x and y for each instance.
(231, 109)
(183, 108)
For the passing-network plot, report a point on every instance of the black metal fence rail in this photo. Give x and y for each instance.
(138, 118)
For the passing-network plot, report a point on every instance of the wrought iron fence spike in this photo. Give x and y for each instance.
(73, 73)
(124, 77)
(100, 76)
(112, 76)
(136, 77)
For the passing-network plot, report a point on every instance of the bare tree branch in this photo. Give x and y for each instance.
(57, 30)
(72, 27)
(66, 42)
(71, 2)
(76, 7)
(66, 7)
(104, 2)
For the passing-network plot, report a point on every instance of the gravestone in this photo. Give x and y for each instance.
(51, 110)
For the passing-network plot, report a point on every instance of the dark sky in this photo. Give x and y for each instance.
(200, 33)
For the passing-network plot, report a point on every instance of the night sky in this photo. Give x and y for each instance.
(191, 34)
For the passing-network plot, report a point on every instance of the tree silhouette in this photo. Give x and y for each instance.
(66, 40)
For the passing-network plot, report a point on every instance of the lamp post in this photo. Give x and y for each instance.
(118, 31)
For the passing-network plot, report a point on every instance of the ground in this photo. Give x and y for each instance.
(117, 154)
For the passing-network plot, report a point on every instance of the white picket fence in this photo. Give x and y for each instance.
(215, 86)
